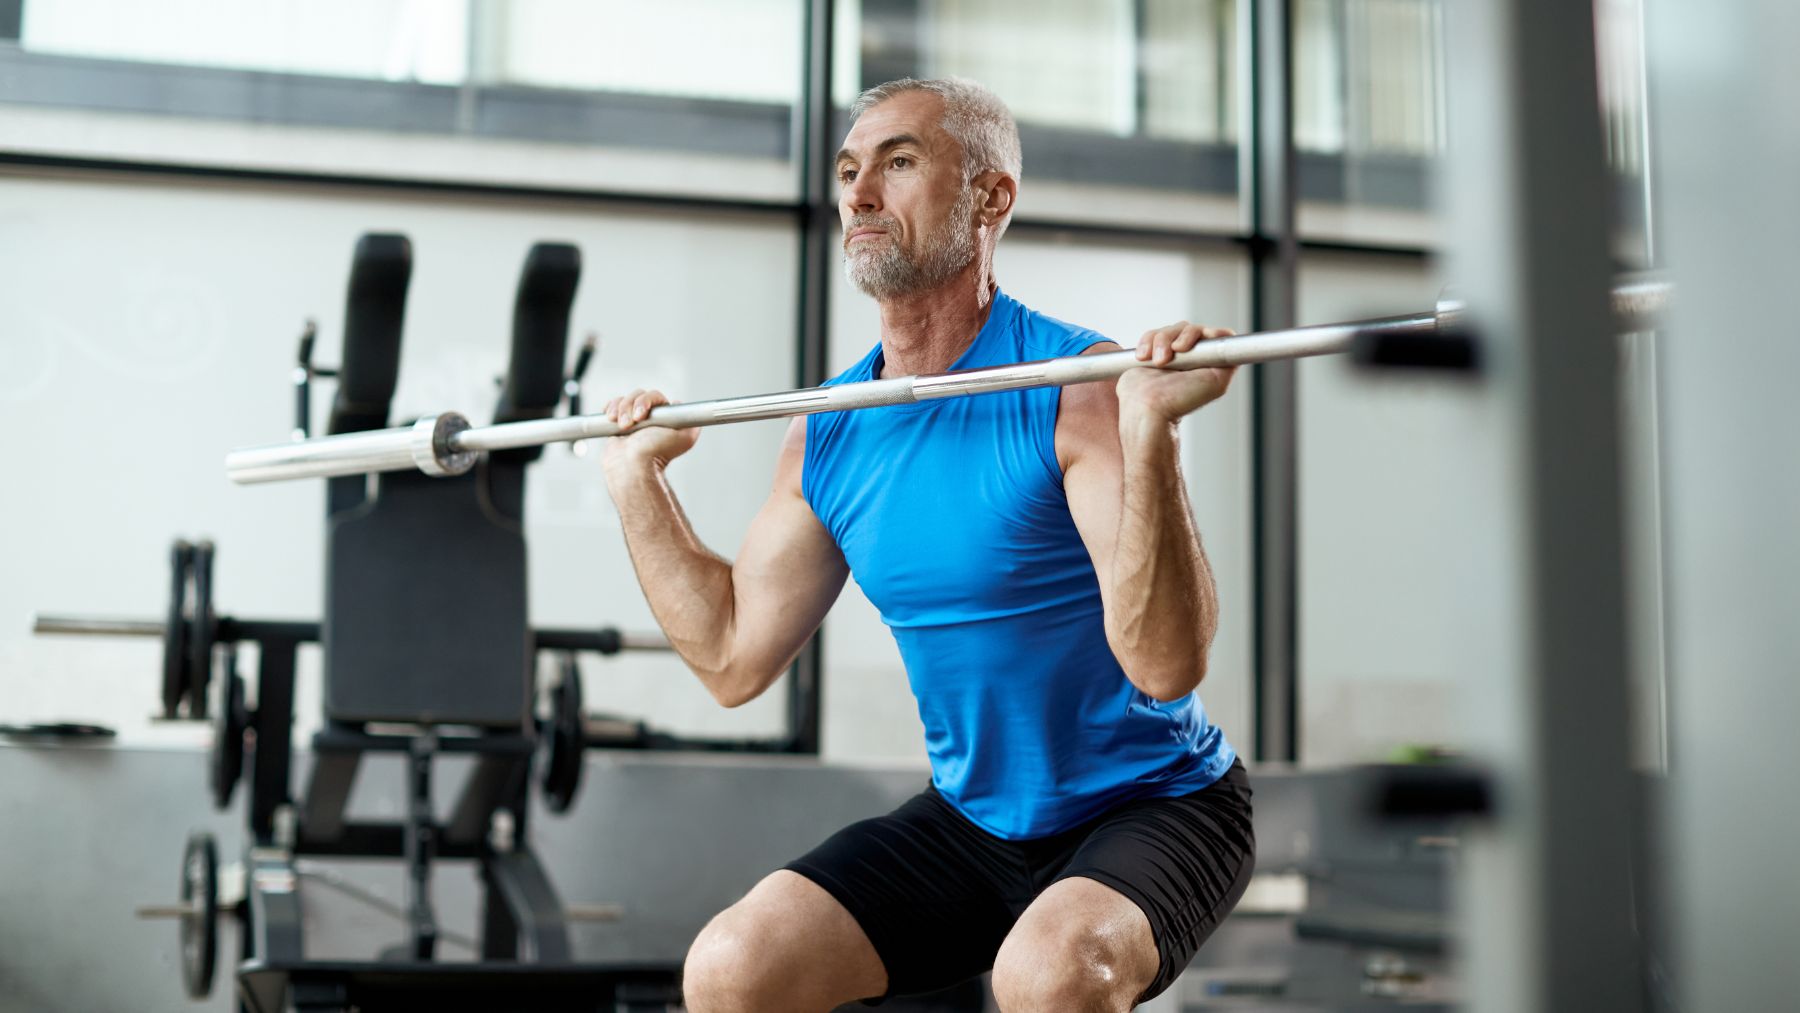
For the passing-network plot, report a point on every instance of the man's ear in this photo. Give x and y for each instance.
(998, 191)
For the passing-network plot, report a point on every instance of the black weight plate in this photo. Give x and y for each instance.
(175, 657)
(228, 740)
(562, 772)
(200, 925)
(202, 625)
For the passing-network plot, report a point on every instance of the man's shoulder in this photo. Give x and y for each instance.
(1044, 336)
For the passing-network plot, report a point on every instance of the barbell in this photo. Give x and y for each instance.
(446, 444)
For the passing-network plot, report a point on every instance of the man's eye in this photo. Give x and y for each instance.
(846, 175)
(900, 162)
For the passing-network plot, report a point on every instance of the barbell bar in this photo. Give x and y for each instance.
(52, 624)
(446, 444)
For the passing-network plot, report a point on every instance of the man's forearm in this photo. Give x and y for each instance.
(1163, 605)
(689, 586)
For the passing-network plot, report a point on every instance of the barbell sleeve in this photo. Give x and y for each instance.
(448, 445)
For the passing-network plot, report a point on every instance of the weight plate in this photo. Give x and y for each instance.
(229, 725)
(567, 739)
(175, 656)
(202, 626)
(200, 923)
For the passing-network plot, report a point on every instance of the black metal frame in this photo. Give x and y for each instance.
(524, 941)
(1274, 434)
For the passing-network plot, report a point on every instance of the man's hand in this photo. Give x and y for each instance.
(649, 444)
(1164, 396)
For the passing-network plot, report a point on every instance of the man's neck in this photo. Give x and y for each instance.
(926, 332)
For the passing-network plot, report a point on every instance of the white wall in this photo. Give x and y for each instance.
(1380, 516)
(146, 328)
(1377, 662)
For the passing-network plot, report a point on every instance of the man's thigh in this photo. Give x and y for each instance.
(933, 893)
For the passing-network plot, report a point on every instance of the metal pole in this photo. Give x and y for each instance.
(1544, 898)
(444, 444)
(1274, 423)
(818, 229)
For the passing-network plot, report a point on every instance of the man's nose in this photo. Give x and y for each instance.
(861, 195)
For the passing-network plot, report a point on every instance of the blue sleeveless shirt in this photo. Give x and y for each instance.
(952, 516)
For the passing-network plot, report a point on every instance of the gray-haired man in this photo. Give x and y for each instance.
(1033, 552)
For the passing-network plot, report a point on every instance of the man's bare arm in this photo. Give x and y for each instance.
(1122, 476)
(739, 624)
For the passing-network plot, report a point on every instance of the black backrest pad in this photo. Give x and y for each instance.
(540, 336)
(425, 608)
(373, 313)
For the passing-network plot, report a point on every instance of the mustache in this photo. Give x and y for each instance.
(869, 221)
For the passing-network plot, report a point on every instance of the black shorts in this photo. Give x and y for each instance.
(937, 894)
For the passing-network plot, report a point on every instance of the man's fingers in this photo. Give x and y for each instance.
(1160, 346)
(1153, 346)
(628, 410)
(1188, 337)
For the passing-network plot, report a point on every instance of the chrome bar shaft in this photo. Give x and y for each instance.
(445, 445)
(89, 627)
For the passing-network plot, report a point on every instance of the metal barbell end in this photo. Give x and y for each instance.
(428, 440)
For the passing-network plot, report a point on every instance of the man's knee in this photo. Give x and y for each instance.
(724, 971)
(1070, 967)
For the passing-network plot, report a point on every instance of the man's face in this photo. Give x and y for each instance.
(908, 213)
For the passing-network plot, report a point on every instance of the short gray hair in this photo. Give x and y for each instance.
(973, 115)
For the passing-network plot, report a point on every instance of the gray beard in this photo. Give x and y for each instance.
(889, 271)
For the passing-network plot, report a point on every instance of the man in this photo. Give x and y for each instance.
(1035, 557)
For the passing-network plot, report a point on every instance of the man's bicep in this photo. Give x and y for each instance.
(789, 570)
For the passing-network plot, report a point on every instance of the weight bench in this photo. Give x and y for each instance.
(427, 651)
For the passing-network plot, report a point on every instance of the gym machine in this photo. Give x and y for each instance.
(426, 652)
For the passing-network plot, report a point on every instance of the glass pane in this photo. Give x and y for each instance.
(394, 40)
(1127, 110)
(726, 49)
(1368, 117)
(687, 96)
(1189, 59)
